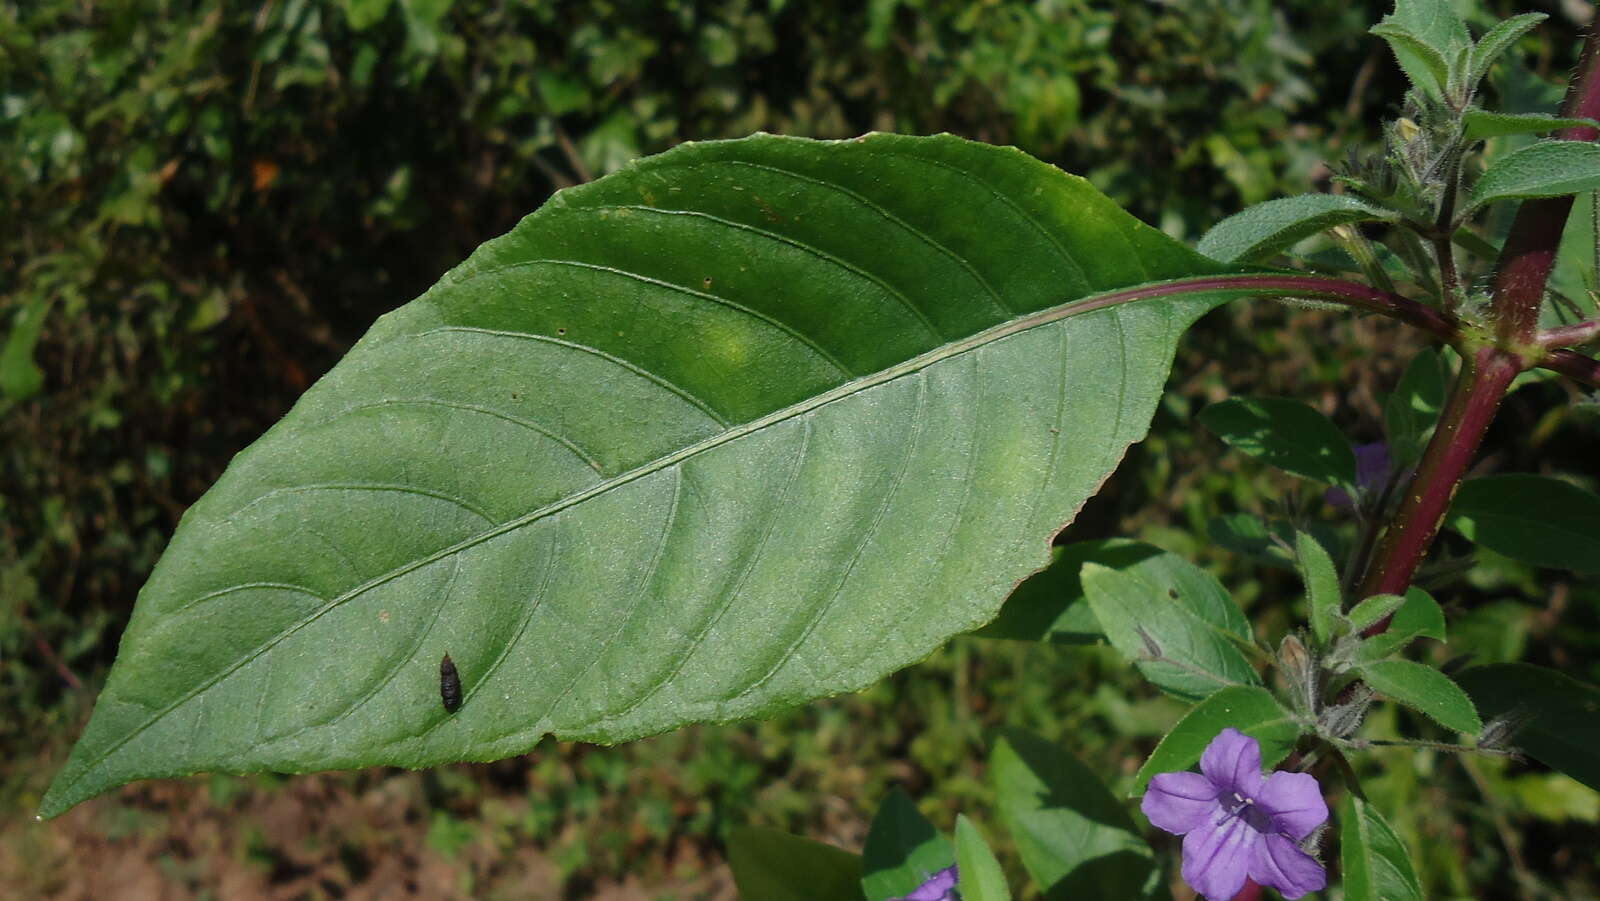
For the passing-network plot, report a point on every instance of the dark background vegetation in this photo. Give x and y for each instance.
(203, 204)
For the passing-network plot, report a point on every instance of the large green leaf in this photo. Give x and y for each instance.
(1535, 519)
(1075, 838)
(1410, 412)
(1560, 715)
(746, 424)
(1049, 605)
(1289, 434)
(776, 866)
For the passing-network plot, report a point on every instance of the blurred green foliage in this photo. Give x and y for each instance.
(202, 205)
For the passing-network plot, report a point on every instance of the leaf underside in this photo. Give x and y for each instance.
(743, 425)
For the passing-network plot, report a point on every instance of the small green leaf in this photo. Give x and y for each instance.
(1411, 411)
(1498, 40)
(20, 377)
(1269, 541)
(1577, 261)
(978, 874)
(1545, 169)
(1266, 228)
(1376, 865)
(1535, 519)
(1249, 535)
(903, 850)
(1419, 616)
(777, 866)
(1049, 605)
(1480, 124)
(1250, 709)
(1168, 607)
(364, 14)
(1433, 24)
(1563, 729)
(1075, 839)
(1423, 63)
(1322, 586)
(1373, 609)
(1424, 689)
(1288, 434)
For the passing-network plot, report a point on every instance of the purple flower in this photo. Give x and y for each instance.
(941, 886)
(1237, 824)
(1372, 470)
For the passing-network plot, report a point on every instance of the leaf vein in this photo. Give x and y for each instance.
(921, 235)
(1029, 218)
(577, 451)
(747, 565)
(395, 669)
(629, 365)
(553, 710)
(832, 259)
(780, 325)
(245, 586)
(918, 421)
(365, 486)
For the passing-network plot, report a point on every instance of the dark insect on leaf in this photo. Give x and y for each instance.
(449, 684)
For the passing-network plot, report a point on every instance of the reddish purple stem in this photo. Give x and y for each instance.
(1519, 285)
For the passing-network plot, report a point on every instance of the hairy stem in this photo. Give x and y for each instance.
(1574, 366)
(1483, 381)
(1570, 335)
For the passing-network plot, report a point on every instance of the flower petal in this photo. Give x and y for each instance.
(939, 887)
(1216, 858)
(1372, 465)
(1180, 802)
(1294, 801)
(1233, 763)
(1280, 863)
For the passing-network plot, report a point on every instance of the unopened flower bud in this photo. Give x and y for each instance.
(1300, 672)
